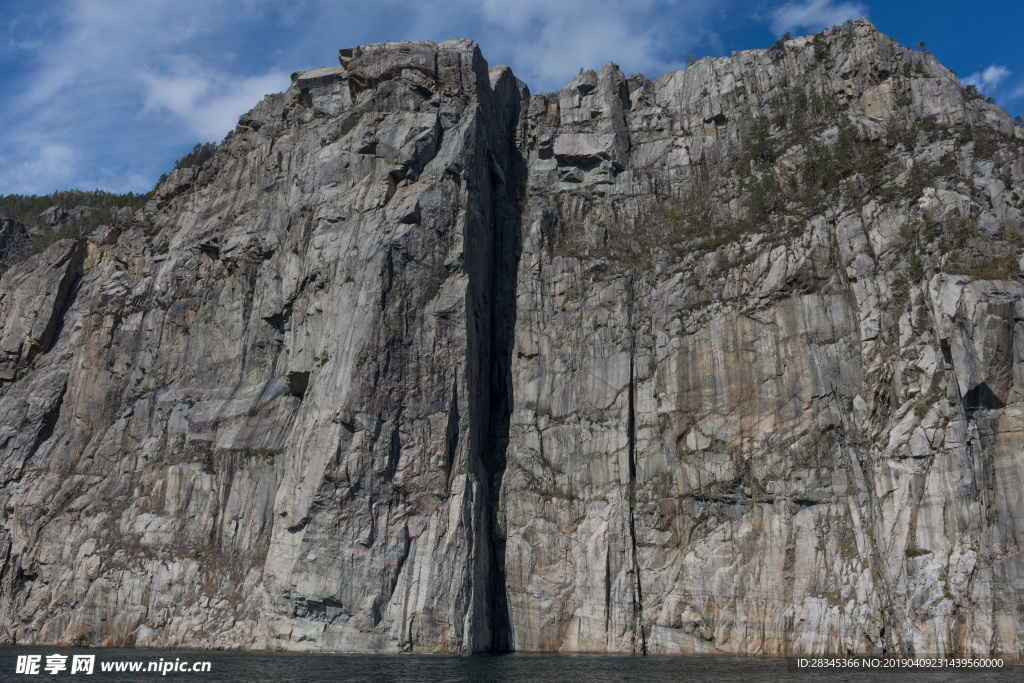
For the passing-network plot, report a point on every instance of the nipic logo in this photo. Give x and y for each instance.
(30, 664)
(85, 664)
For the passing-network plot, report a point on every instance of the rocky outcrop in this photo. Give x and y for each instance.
(57, 215)
(33, 298)
(723, 362)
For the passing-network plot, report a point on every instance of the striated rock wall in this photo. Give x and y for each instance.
(762, 446)
(724, 362)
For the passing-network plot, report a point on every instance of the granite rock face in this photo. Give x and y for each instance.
(725, 362)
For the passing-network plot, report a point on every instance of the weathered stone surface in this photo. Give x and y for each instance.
(33, 295)
(726, 362)
(751, 449)
(55, 215)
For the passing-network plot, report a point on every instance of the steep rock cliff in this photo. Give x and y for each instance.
(726, 362)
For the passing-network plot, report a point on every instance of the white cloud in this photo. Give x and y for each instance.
(111, 90)
(208, 102)
(46, 165)
(989, 79)
(110, 39)
(814, 15)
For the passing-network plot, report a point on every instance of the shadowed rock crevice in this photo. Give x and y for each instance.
(638, 600)
(48, 422)
(39, 293)
(67, 294)
(506, 175)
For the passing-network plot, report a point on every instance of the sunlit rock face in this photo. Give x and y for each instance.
(729, 362)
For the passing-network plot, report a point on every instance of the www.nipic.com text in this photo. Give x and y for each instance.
(86, 664)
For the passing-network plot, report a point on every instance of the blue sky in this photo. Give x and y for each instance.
(107, 94)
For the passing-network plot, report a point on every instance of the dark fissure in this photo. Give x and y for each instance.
(638, 596)
(507, 183)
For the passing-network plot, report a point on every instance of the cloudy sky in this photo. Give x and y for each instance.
(108, 93)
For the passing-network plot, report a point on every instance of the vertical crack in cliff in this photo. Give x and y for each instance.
(502, 327)
(452, 433)
(67, 294)
(505, 173)
(852, 441)
(876, 564)
(638, 595)
(970, 487)
(49, 422)
(607, 595)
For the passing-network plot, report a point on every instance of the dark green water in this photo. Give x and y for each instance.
(303, 668)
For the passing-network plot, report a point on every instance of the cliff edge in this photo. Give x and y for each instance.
(724, 362)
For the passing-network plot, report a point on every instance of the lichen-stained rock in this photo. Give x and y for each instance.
(726, 362)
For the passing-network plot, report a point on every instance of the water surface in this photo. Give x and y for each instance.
(259, 667)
